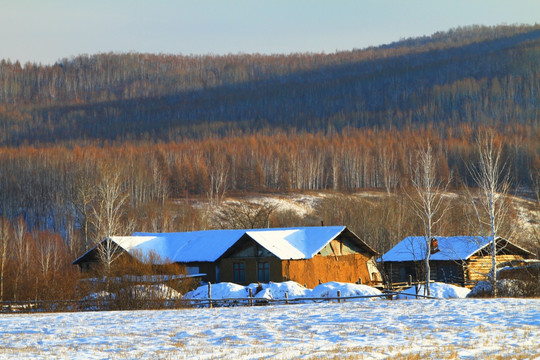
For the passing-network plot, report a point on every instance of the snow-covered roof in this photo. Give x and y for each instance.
(210, 245)
(295, 243)
(193, 246)
(125, 242)
(413, 248)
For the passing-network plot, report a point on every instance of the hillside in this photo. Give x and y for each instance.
(379, 218)
(475, 75)
(164, 141)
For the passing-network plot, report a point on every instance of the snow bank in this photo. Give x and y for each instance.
(506, 288)
(223, 290)
(438, 290)
(330, 289)
(159, 291)
(277, 291)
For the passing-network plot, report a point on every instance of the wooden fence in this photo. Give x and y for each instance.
(151, 304)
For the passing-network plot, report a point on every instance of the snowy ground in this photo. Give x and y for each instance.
(370, 329)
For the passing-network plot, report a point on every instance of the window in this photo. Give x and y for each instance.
(239, 272)
(263, 270)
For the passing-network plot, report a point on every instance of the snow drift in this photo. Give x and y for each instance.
(295, 291)
(438, 290)
(277, 291)
(330, 289)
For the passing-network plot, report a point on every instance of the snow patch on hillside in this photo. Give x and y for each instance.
(528, 214)
(300, 204)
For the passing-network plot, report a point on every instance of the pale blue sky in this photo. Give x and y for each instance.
(47, 30)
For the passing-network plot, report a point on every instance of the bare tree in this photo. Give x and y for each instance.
(245, 215)
(388, 168)
(219, 173)
(48, 253)
(21, 251)
(107, 215)
(493, 182)
(426, 200)
(535, 229)
(5, 233)
(83, 198)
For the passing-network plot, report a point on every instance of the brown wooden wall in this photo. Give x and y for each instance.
(309, 272)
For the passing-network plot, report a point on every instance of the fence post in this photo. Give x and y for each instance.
(250, 297)
(210, 294)
(339, 296)
(410, 280)
(286, 297)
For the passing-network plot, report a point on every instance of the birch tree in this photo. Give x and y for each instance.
(83, 198)
(492, 207)
(48, 253)
(107, 215)
(5, 233)
(22, 253)
(426, 201)
(219, 172)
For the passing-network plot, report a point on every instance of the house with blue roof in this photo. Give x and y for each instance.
(462, 260)
(307, 255)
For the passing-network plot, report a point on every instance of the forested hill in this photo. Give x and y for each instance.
(478, 75)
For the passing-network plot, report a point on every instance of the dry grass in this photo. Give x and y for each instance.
(258, 350)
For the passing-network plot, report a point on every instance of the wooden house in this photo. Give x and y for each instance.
(462, 260)
(307, 255)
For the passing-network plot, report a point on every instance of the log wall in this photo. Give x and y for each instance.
(478, 267)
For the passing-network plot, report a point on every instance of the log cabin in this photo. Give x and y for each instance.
(460, 260)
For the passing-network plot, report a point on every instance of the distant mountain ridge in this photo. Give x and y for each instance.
(477, 75)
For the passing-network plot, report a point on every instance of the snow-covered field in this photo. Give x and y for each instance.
(370, 329)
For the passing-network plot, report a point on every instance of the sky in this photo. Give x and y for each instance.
(46, 31)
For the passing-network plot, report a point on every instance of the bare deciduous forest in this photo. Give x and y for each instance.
(181, 131)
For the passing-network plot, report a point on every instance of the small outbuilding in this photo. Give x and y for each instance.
(462, 260)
